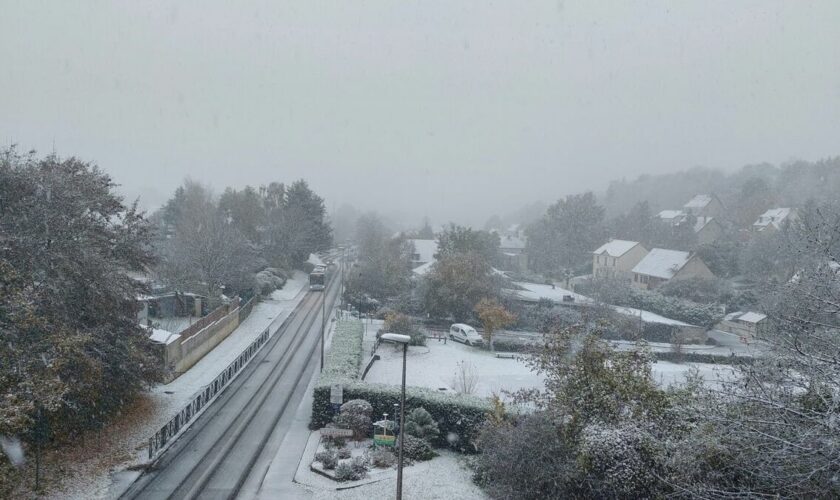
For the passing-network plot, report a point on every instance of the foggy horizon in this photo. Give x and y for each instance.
(452, 112)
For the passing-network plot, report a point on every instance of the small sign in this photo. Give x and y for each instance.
(336, 394)
(332, 432)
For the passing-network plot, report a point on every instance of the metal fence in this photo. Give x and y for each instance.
(169, 430)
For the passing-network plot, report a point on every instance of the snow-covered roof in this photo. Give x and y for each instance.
(163, 336)
(647, 316)
(512, 242)
(774, 216)
(315, 260)
(699, 201)
(426, 249)
(424, 269)
(746, 317)
(752, 317)
(701, 222)
(616, 248)
(671, 214)
(662, 263)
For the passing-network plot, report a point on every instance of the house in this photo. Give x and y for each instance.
(424, 252)
(745, 324)
(705, 205)
(661, 265)
(707, 229)
(616, 259)
(514, 257)
(672, 217)
(773, 219)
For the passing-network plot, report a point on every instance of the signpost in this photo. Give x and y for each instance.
(336, 397)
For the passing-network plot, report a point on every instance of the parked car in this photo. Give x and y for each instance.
(466, 334)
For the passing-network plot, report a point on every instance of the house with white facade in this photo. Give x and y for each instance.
(705, 205)
(661, 265)
(616, 259)
(424, 252)
(772, 219)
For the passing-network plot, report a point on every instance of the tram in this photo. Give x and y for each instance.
(318, 278)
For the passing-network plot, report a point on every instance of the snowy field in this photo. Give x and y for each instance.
(435, 366)
(97, 468)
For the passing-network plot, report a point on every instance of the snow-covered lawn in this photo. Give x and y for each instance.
(435, 366)
(124, 445)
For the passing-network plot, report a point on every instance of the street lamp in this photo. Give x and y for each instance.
(404, 340)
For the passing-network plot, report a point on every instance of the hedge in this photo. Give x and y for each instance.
(459, 417)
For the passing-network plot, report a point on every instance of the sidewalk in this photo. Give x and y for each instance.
(101, 469)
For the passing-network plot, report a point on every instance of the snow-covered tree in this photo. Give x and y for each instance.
(70, 340)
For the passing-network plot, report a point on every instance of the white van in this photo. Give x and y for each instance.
(466, 334)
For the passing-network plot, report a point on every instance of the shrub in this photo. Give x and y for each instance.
(619, 462)
(343, 453)
(419, 423)
(344, 472)
(352, 470)
(355, 414)
(327, 458)
(359, 466)
(416, 448)
(382, 458)
(403, 324)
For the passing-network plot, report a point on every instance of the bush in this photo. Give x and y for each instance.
(382, 458)
(403, 324)
(343, 453)
(359, 466)
(459, 417)
(416, 448)
(344, 472)
(530, 460)
(420, 424)
(327, 458)
(619, 462)
(352, 470)
(355, 414)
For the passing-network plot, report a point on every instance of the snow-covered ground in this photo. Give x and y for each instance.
(91, 474)
(443, 478)
(436, 365)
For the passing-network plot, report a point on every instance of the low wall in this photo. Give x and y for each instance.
(203, 336)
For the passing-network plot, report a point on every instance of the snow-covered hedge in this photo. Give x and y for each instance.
(459, 417)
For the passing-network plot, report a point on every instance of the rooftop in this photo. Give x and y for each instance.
(699, 201)
(616, 248)
(662, 263)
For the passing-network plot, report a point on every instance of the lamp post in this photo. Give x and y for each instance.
(404, 340)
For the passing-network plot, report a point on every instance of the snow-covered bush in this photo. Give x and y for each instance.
(270, 279)
(351, 470)
(343, 453)
(415, 448)
(419, 423)
(328, 459)
(355, 414)
(619, 461)
(382, 458)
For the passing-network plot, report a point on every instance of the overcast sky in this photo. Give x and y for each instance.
(451, 109)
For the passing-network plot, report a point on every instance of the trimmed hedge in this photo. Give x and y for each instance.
(459, 417)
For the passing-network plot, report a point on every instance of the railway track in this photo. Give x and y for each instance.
(214, 457)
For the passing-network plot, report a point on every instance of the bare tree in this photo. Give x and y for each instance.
(465, 380)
